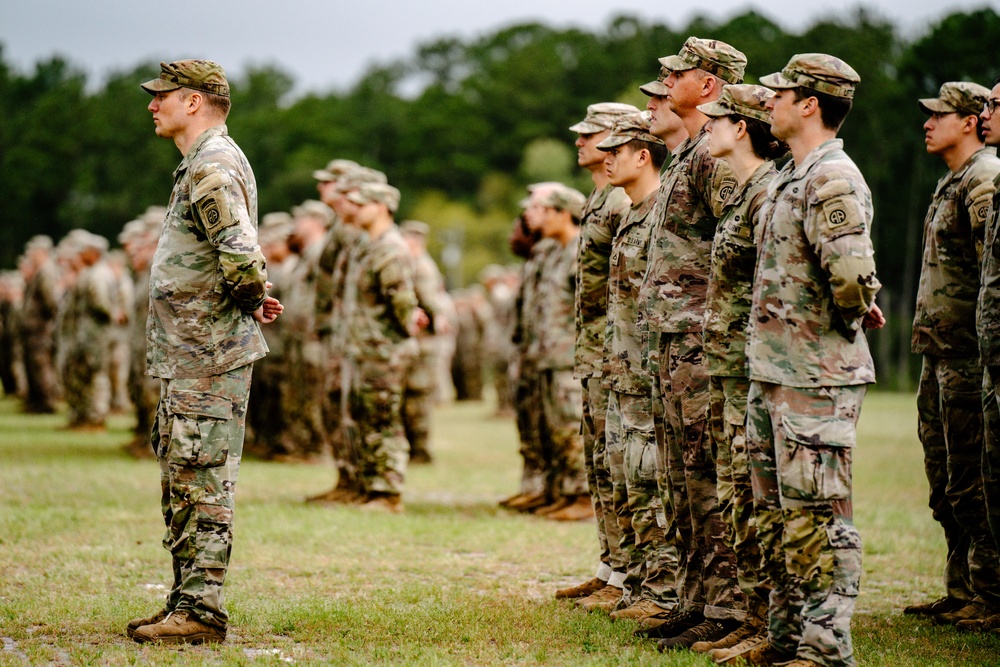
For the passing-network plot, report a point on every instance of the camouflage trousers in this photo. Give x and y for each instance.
(562, 412)
(991, 448)
(340, 429)
(145, 394)
(376, 405)
(198, 438)
(642, 518)
(595, 459)
(40, 372)
(801, 443)
(528, 401)
(87, 387)
(950, 426)
(418, 403)
(301, 404)
(706, 578)
(727, 417)
(267, 425)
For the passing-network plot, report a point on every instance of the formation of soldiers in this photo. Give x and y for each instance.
(724, 277)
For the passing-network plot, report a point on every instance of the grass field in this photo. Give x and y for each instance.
(453, 581)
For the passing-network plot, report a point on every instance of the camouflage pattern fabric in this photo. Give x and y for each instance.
(707, 578)
(988, 308)
(38, 337)
(954, 230)
(143, 390)
(207, 262)
(198, 437)
(991, 447)
(694, 188)
(801, 443)
(598, 470)
(815, 275)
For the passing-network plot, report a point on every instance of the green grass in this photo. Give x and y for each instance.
(454, 581)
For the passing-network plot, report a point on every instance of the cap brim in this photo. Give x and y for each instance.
(613, 141)
(323, 175)
(159, 86)
(676, 63)
(777, 81)
(934, 105)
(583, 127)
(655, 89)
(715, 110)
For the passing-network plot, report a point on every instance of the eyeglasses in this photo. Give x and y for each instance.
(991, 105)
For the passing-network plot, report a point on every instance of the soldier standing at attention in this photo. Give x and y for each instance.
(949, 398)
(207, 293)
(602, 214)
(809, 368)
(672, 307)
(740, 134)
(37, 325)
(988, 330)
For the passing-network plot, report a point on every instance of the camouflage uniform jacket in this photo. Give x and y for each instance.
(428, 283)
(689, 202)
(329, 273)
(624, 342)
(557, 334)
(94, 307)
(380, 302)
(953, 249)
(602, 215)
(208, 273)
(734, 258)
(988, 312)
(815, 276)
(299, 293)
(526, 332)
(41, 296)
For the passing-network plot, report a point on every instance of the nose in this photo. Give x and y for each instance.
(579, 141)
(928, 124)
(769, 105)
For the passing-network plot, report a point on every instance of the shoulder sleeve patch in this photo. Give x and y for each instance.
(980, 199)
(834, 189)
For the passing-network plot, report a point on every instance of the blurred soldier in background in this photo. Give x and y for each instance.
(119, 345)
(42, 293)
(11, 364)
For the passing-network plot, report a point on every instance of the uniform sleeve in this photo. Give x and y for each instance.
(977, 203)
(837, 222)
(219, 205)
(395, 277)
(323, 304)
(721, 183)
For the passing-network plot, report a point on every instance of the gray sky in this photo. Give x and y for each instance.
(327, 44)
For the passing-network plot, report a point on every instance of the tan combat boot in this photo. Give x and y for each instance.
(637, 611)
(179, 628)
(580, 509)
(581, 590)
(383, 502)
(753, 626)
(604, 599)
(137, 623)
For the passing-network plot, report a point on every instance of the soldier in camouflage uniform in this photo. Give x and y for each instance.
(555, 210)
(11, 363)
(602, 214)
(208, 292)
(91, 311)
(304, 406)
(342, 242)
(672, 306)
(949, 398)
(740, 133)
(139, 238)
(633, 162)
(383, 318)
(421, 377)
(37, 325)
(527, 384)
(988, 331)
(123, 296)
(809, 368)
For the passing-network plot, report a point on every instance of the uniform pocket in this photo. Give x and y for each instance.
(816, 458)
(201, 428)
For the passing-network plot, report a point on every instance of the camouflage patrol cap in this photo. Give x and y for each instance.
(553, 194)
(627, 128)
(274, 227)
(740, 100)
(131, 231)
(658, 88)
(375, 193)
(81, 240)
(415, 228)
(602, 117)
(354, 178)
(816, 71)
(711, 55)
(39, 242)
(963, 97)
(314, 209)
(203, 75)
(335, 169)
(154, 216)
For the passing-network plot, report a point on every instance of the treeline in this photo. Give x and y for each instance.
(461, 126)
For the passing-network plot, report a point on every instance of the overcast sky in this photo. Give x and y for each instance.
(328, 44)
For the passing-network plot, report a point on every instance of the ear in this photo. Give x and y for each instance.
(970, 124)
(741, 129)
(809, 107)
(194, 102)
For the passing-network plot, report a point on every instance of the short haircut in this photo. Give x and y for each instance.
(218, 103)
(832, 110)
(764, 144)
(658, 153)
